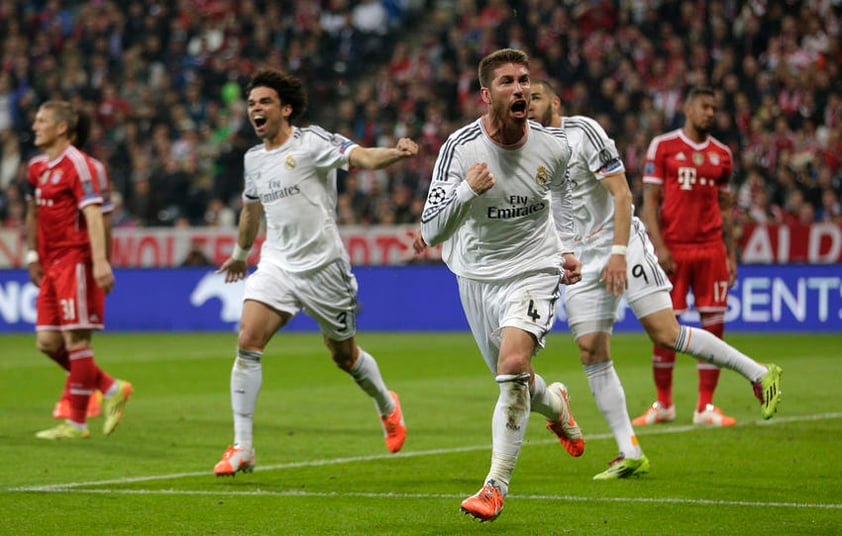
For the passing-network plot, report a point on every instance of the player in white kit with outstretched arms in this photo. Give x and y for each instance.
(290, 179)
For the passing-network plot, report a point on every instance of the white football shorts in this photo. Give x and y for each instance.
(527, 302)
(590, 308)
(328, 295)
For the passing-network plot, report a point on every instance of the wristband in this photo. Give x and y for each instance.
(30, 257)
(239, 254)
(617, 249)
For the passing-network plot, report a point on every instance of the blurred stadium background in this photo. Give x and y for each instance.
(163, 81)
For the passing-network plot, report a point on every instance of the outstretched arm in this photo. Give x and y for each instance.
(380, 157)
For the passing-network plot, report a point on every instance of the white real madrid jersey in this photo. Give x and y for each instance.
(296, 184)
(594, 157)
(511, 228)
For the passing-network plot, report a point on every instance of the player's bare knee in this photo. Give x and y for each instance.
(663, 335)
(344, 360)
(664, 341)
(251, 338)
(46, 347)
(514, 365)
(343, 353)
(48, 343)
(658, 320)
(593, 340)
(247, 342)
(588, 355)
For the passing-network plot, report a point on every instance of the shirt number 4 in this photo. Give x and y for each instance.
(532, 312)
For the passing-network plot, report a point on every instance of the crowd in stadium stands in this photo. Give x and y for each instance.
(164, 82)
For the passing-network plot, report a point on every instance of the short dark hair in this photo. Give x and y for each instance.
(490, 63)
(289, 88)
(544, 84)
(699, 91)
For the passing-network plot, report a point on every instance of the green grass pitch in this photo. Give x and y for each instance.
(322, 467)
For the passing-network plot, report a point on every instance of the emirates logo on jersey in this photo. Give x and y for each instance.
(290, 162)
(542, 177)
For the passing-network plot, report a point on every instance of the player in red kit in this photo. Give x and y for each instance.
(66, 236)
(78, 139)
(687, 210)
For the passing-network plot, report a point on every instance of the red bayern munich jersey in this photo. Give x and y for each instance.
(692, 175)
(63, 187)
(103, 183)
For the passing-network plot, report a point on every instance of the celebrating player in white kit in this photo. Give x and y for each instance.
(291, 180)
(497, 203)
(618, 258)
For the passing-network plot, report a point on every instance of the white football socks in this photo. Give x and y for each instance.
(543, 401)
(706, 346)
(246, 379)
(611, 401)
(508, 426)
(367, 375)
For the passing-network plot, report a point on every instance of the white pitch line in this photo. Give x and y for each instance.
(454, 496)
(434, 452)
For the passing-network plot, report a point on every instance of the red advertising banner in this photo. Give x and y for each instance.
(819, 243)
(167, 247)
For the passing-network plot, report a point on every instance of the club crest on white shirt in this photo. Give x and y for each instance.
(290, 162)
(542, 177)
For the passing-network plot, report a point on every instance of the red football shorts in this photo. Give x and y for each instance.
(704, 270)
(69, 298)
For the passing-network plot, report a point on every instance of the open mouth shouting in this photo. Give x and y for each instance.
(519, 108)
(259, 122)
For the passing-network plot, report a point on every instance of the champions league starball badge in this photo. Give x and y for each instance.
(436, 196)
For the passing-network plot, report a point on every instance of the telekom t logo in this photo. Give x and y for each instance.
(687, 177)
